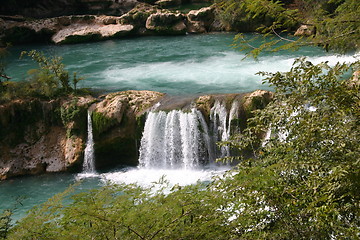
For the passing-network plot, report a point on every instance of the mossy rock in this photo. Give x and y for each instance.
(101, 123)
(74, 118)
(26, 121)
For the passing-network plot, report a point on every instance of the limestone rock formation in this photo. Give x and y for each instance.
(200, 21)
(257, 100)
(116, 128)
(35, 136)
(66, 29)
(305, 30)
(166, 23)
(137, 17)
(354, 81)
(144, 19)
(93, 32)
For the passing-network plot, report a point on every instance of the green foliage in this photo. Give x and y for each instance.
(303, 182)
(69, 112)
(5, 223)
(51, 75)
(101, 123)
(129, 212)
(76, 80)
(73, 118)
(3, 76)
(340, 30)
(336, 23)
(239, 12)
(50, 80)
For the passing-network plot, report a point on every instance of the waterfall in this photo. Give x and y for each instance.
(233, 114)
(221, 124)
(89, 158)
(175, 139)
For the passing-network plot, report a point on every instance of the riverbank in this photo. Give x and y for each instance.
(143, 20)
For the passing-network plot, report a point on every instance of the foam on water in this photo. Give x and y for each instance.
(147, 177)
(86, 175)
(224, 73)
(170, 64)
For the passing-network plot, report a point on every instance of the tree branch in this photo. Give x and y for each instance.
(5, 76)
(173, 221)
(282, 38)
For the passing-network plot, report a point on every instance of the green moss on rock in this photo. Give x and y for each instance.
(101, 123)
(74, 118)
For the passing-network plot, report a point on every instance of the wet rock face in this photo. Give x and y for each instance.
(25, 134)
(49, 136)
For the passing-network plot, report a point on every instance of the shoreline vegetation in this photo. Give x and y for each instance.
(297, 175)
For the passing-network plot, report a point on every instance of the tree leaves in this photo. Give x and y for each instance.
(336, 23)
(313, 165)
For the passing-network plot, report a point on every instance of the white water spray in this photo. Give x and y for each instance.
(89, 157)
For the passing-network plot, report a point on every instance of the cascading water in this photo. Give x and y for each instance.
(89, 157)
(177, 146)
(175, 139)
(233, 114)
(221, 124)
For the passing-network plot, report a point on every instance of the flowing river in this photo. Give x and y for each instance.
(182, 66)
